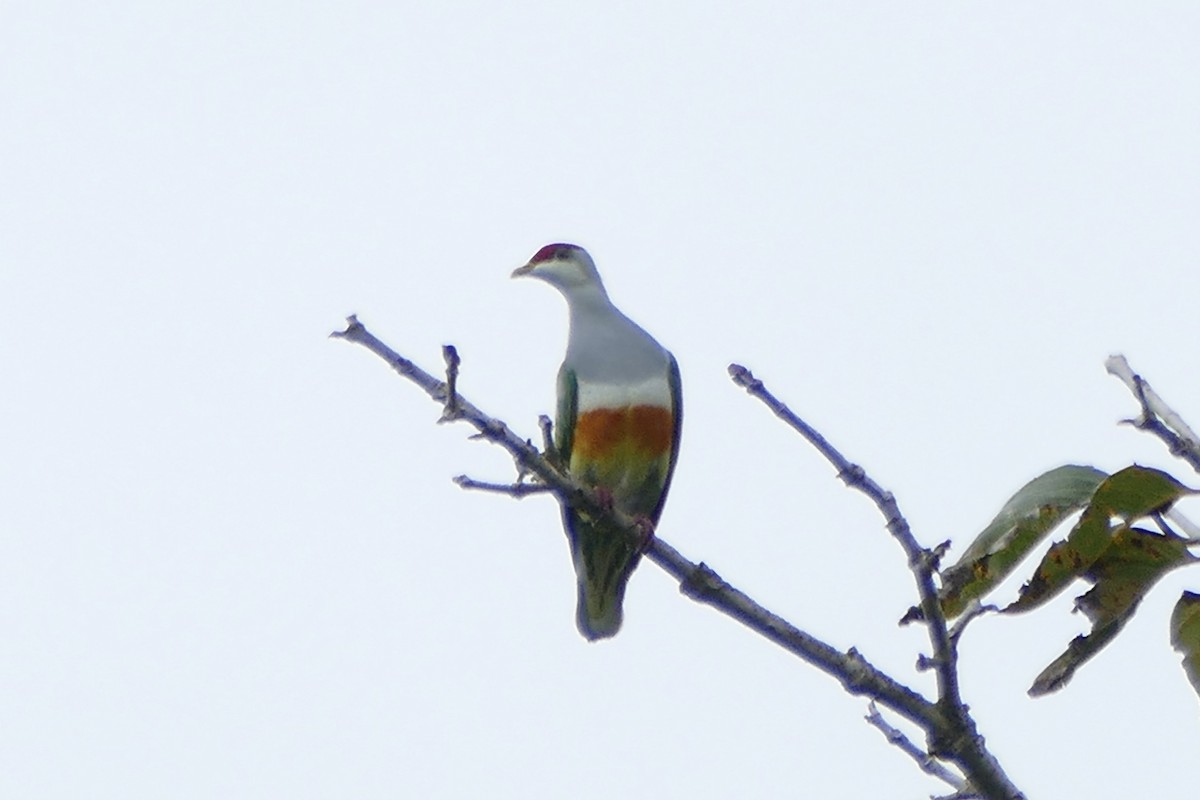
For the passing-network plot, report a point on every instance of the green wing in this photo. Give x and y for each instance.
(676, 384)
(566, 414)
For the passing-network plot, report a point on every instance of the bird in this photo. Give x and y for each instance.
(617, 430)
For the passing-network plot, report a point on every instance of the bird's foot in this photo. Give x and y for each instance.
(645, 529)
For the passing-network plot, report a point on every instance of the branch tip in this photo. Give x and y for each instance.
(353, 326)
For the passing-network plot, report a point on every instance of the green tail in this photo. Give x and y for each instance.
(604, 557)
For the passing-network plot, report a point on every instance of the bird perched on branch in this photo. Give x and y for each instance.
(617, 430)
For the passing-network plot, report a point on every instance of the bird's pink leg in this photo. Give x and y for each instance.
(604, 497)
(644, 525)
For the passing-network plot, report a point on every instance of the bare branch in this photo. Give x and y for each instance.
(953, 740)
(958, 739)
(855, 673)
(1157, 417)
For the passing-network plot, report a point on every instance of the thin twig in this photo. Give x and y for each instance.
(928, 764)
(548, 445)
(974, 609)
(959, 740)
(517, 490)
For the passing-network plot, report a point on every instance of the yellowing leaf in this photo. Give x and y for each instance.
(1065, 561)
(1122, 574)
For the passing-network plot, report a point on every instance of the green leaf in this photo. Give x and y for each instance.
(1133, 562)
(1185, 635)
(1130, 494)
(1081, 648)
(1036, 509)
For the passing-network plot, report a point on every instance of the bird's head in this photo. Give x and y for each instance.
(565, 266)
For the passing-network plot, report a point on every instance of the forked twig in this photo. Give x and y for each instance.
(960, 741)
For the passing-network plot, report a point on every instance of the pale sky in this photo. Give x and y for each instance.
(233, 562)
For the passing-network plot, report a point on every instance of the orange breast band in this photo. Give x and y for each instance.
(641, 431)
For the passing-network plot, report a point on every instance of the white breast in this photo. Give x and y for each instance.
(650, 392)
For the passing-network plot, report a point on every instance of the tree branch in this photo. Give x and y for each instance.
(1157, 417)
(955, 742)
